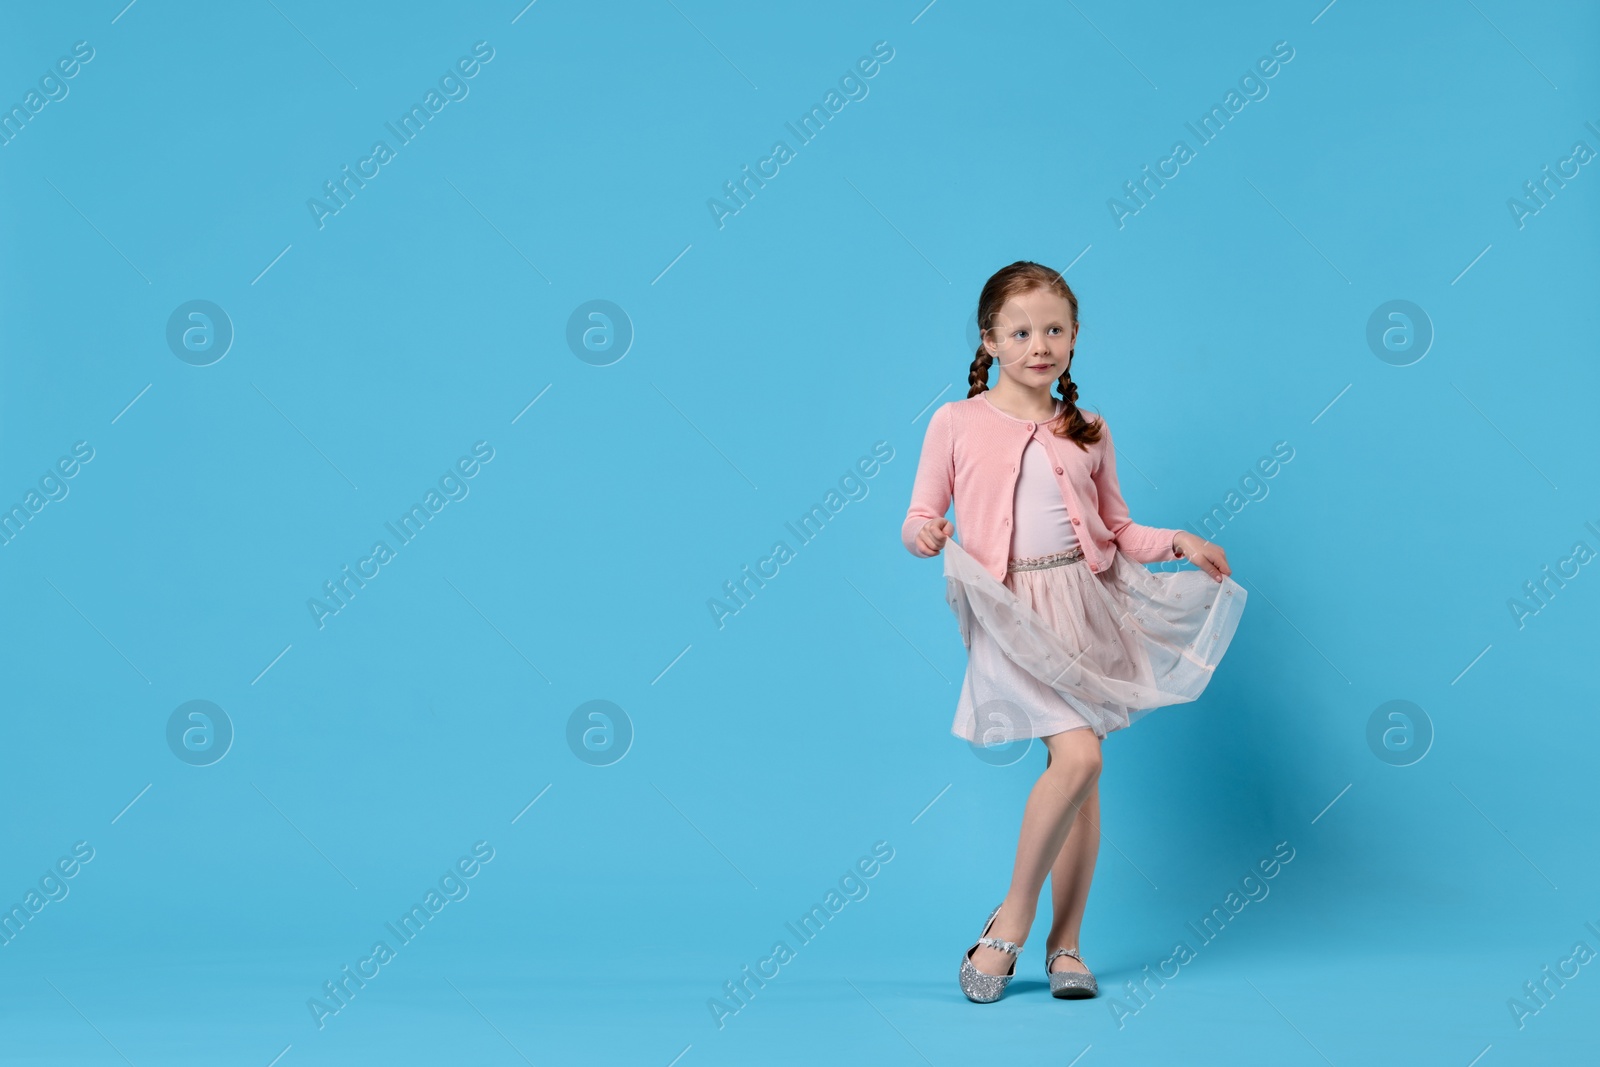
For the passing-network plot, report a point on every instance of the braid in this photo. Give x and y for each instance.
(978, 377)
(1025, 276)
(1074, 425)
(1069, 388)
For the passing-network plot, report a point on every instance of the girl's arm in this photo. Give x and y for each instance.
(1143, 544)
(935, 481)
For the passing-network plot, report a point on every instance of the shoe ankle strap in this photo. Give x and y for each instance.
(1003, 946)
(1063, 952)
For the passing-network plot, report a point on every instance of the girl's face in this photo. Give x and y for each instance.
(1032, 338)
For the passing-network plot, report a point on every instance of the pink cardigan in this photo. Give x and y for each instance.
(973, 451)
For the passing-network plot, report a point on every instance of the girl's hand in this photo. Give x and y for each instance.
(933, 535)
(1203, 554)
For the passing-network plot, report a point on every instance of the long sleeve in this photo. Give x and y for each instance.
(934, 486)
(1143, 544)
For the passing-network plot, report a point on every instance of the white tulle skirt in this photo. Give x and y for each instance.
(1063, 648)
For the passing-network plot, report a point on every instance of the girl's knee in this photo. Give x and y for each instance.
(1077, 749)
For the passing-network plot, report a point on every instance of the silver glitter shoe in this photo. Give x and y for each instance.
(1070, 985)
(982, 988)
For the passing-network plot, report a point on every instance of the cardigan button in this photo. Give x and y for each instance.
(1075, 522)
(1058, 470)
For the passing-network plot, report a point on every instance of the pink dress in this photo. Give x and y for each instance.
(1058, 647)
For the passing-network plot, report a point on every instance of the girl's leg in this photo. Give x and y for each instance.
(1070, 877)
(1053, 805)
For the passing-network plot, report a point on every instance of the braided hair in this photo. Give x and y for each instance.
(1007, 282)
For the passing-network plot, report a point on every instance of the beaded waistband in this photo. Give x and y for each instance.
(1039, 563)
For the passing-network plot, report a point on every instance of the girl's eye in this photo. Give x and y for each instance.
(1020, 333)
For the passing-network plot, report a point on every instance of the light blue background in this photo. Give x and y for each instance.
(829, 314)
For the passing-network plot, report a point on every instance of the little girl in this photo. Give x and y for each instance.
(1068, 636)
